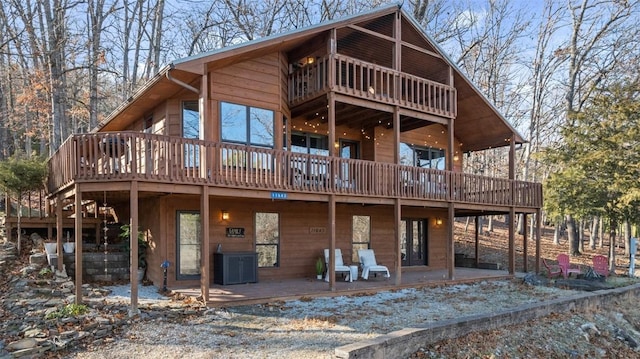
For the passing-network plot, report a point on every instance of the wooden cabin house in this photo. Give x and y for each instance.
(348, 134)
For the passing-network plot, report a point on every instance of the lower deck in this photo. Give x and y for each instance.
(295, 288)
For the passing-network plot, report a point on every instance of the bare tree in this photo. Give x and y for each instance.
(602, 32)
(96, 14)
(544, 105)
(155, 41)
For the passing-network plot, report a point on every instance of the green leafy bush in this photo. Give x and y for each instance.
(45, 272)
(69, 310)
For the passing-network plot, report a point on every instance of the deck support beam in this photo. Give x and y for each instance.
(525, 245)
(133, 243)
(450, 246)
(78, 240)
(397, 214)
(477, 240)
(512, 210)
(512, 246)
(331, 270)
(538, 227)
(59, 231)
(205, 268)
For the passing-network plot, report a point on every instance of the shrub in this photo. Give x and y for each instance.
(69, 310)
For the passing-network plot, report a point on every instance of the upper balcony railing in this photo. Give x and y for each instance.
(370, 81)
(103, 157)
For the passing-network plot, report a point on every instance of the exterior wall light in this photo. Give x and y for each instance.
(438, 221)
(225, 215)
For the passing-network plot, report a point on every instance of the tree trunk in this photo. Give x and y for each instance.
(521, 224)
(490, 225)
(56, 30)
(573, 237)
(593, 233)
(612, 247)
(96, 58)
(532, 226)
(627, 237)
(581, 236)
(466, 224)
(19, 226)
(156, 40)
(601, 232)
(556, 234)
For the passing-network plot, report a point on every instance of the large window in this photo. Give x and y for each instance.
(246, 125)
(268, 239)
(361, 235)
(191, 129)
(188, 238)
(422, 157)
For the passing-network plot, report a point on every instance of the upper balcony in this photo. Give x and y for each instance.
(104, 157)
(369, 81)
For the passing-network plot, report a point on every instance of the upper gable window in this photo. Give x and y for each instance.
(246, 125)
(191, 129)
(190, 119)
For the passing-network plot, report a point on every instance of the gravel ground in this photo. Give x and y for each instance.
(311, 328)
(612, 332)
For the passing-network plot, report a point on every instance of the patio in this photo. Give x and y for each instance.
(290, 289)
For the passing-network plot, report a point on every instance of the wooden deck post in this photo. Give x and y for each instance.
(450, 247)
(538, 225)
(477, 239)
(512, 247)
(133, 240)
(525, 245)
(59, 230)
(512, 210)
(397, 211)
(78, 240)
(331, 271)
(206, 256)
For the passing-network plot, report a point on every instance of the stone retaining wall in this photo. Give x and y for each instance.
(403, 343)
(96, 269)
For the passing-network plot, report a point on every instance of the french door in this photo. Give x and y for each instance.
(413, 234)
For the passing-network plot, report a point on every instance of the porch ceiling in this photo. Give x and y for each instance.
(476, 129)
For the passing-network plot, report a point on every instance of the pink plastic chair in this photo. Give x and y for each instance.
(552, 269)
(601, 265)
(566, 267)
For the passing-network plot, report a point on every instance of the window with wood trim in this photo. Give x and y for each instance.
(361, 235)
(268, 239)
(251, 126)
(191, 129)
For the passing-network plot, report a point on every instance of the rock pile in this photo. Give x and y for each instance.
(37, 314)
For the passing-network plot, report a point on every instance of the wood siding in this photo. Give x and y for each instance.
(299, 247)
(253, 83)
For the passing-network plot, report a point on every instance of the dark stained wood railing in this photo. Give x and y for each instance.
(146, 157)
(373, 82)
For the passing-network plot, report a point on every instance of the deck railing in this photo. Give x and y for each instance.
(366, 80)
(139, 156)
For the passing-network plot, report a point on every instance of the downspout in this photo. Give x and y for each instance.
(181, 83)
